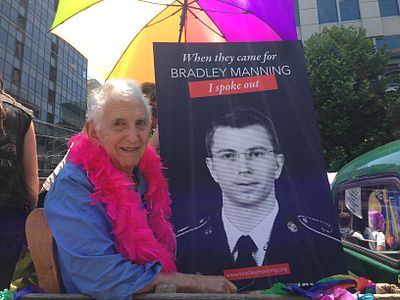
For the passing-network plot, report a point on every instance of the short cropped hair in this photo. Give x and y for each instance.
(344, 219)
(114, 90)
(242, 117)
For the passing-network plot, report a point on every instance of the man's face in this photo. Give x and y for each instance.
(244, 164)
(123, 133)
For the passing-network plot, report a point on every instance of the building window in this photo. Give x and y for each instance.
(54, 49)
(53, 74)
(349, 10)
(21, 22)
(18, 52)
(3, 37)
(327, 12)
(24, 4)
(388, 8)
(297, 12)
(55, 5)
(49, 118)
(51, 97)
(16, 76)
(391, 42)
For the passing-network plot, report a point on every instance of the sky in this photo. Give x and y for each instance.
(92, 73)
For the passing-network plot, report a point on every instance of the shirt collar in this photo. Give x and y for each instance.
(232, 233)
(259, 234)
(141, 182)
(262, 232)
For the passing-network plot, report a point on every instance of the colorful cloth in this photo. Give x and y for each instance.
(337, 287)
(6, 295)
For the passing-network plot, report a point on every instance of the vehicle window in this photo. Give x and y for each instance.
(369, 214)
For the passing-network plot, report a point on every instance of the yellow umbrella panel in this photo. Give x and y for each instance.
(137, 60)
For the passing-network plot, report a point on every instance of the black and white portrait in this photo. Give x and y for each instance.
(244, 158)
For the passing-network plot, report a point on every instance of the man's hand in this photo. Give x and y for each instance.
(215, 284)
(189, 283)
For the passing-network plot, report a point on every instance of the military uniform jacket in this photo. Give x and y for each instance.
(204, 249)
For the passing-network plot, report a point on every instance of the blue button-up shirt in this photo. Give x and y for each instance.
(87, 254)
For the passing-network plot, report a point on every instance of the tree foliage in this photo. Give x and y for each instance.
(355, 113)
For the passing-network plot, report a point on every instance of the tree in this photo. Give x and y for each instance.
(354, 110)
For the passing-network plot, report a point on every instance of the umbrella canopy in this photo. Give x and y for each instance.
(116, 36)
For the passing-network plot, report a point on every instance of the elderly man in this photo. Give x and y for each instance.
(109, 207)
(251, 230)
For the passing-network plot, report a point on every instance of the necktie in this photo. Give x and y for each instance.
(245, 247)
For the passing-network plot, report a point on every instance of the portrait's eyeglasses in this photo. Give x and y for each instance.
(252, 155)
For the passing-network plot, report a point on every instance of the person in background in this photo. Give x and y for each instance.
(346, 232)
(109, 207)
(19, 182)
(374, 232)
(149, 90)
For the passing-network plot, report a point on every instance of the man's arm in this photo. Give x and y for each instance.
(31, 166)
(380, 241)
(87, 254)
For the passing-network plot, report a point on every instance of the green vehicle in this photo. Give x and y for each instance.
(369, 183)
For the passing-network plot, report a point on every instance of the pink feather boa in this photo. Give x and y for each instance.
(142, 235)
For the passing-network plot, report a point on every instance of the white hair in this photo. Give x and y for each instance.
(114, 90)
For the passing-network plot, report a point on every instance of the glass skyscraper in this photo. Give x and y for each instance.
(44, 73)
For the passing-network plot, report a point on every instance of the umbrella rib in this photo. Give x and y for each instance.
(163, 19)
(196, 8)
(182, 19)
(156, 3)
(144, 27)
(207, 26)
(199, 8)
(249, 12)
(75, 14)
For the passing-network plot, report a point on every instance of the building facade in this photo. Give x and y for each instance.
(380, 18)
(44, 73)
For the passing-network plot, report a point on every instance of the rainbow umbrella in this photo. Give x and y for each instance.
(116, 36)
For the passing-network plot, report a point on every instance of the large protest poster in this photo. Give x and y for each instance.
(239, 139)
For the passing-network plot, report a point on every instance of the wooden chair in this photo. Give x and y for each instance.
(42, 248)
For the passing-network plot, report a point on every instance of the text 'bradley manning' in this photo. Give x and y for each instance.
(200, 73)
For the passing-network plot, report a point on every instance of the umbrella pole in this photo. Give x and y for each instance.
(183, 18)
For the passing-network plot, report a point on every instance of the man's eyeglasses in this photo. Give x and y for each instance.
(252, 155)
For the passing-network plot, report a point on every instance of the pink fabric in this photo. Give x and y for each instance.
(252, 20)
(338, 294)
(238, 24)
(142, 235)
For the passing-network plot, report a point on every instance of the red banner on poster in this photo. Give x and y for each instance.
(231, 86)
